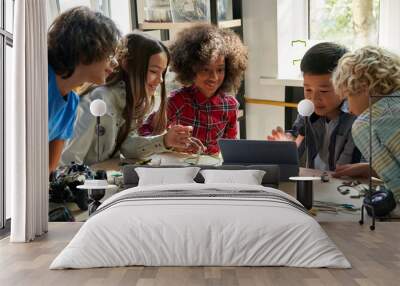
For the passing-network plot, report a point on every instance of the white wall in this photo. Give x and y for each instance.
(260, 36)
(270, 26)
(121, 12)
(389, 25)
(292, 26)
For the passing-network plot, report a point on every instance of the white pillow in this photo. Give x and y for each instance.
(166, 176)
(249, 177)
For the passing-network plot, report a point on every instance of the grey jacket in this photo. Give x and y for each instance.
(342, 149)
(82, 148)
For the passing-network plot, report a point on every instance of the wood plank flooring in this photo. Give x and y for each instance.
(374, 255)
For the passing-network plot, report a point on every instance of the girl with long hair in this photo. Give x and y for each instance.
(129, 94)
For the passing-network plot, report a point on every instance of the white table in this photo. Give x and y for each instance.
(96, 193)
(325, 192)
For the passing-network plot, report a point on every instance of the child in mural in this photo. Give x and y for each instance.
(81, 45)
(209, 62)
(329, 142)
(129, 95)
(371, 75)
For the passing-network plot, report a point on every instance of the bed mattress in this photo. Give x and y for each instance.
(201, 225)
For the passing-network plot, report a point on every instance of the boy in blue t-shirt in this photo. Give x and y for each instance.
(81, 45)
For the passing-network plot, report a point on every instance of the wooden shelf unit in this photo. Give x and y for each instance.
(176, 26)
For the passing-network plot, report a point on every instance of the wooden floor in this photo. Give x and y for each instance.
(374, 255)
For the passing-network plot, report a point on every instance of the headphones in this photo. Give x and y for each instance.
(382, 201)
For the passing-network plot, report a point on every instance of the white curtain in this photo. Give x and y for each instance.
(389, 25)
(26, 124)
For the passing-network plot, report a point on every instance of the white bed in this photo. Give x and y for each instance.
(250, 228)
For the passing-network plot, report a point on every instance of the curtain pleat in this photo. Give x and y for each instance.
(28, 162)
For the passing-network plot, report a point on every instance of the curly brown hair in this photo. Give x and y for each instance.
(80, 35)
(196, 46)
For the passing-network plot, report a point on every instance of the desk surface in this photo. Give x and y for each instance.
(326, 193)
(323, 191)
(168, 158)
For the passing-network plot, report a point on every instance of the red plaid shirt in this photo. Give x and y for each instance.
(211, 118)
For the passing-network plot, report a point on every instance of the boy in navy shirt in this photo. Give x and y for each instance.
(329, 140)
(81, 45)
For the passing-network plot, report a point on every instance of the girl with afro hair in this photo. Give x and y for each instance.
(209, 62)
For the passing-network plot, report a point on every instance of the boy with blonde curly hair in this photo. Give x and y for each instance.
(371, 75)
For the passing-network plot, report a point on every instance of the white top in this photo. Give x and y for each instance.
(96, 184)
(82, 148)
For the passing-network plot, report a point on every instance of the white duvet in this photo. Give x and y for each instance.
(200, 231)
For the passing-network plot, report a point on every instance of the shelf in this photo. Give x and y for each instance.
(281, 81)
(271, 102)
(167, 42)
(165, 25)
(172, 26)
(230, 23)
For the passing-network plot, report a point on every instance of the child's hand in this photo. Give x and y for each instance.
(180, 138)
(352, 170)
(279, 135)
(196, 146)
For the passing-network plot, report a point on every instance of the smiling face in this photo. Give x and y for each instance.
(157, 65)
(211, 76)
(319, 89)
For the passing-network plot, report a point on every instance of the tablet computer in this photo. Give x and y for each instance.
(262, 152)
